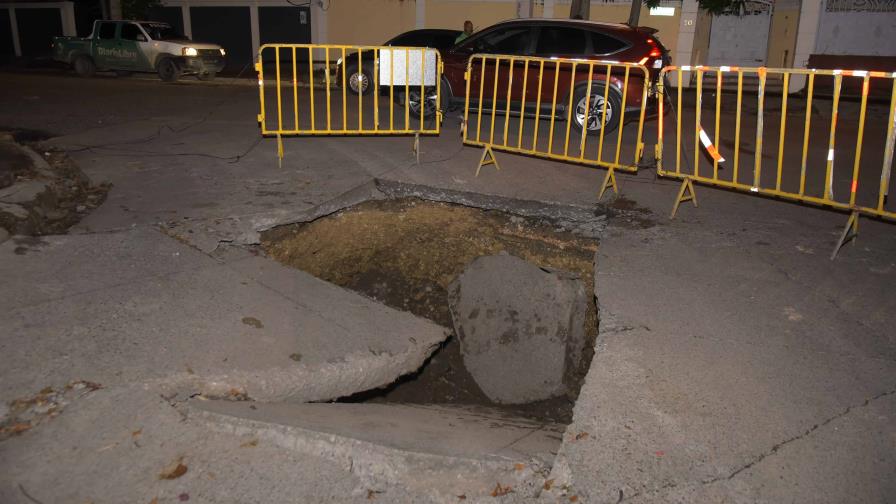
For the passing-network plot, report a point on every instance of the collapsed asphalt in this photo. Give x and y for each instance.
(734, 361)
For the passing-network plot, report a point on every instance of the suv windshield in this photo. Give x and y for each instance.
(161, 31)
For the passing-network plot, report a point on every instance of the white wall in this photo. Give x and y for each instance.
(857, 34)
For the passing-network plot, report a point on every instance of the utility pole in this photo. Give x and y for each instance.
(580, 9)
(634, 16)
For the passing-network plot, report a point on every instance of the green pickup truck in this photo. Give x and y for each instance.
(139, 46)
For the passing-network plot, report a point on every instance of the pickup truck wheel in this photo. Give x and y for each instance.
(206, 76)
(168, 70)
(84, 66)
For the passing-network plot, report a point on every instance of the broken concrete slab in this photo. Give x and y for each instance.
(144, 307)
(14, 160)
(206, 234)
(17, 211)
(521, 327)
(586, 221)
(40, 165)
(23, 191)
(435, 450)
(228, 193)
(683, 375)
(448, 430)
(134, 434)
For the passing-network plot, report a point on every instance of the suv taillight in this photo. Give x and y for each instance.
(655, 52)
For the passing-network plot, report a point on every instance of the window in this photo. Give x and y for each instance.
(107, 31)
(131, 31)
(604, 44)
(161, 31)
(504, 41)
(561, 40)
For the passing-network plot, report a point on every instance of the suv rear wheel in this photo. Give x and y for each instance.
(596, 108)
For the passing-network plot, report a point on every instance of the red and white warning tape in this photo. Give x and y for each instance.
(710, 148)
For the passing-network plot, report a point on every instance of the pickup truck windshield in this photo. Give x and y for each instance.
(159, 31)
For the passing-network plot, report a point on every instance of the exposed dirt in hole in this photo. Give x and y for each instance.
(405, 253)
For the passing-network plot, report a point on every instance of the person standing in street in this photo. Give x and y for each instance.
(468, 30)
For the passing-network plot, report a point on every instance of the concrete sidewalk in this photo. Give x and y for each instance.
(735, 361)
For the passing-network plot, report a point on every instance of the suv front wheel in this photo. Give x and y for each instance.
(595, 105)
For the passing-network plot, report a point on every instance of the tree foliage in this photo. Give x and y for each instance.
(722, 6)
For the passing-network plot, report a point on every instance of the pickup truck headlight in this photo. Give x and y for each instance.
(190, 51)
(223, 53)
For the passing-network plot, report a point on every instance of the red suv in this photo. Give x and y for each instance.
(559, 39)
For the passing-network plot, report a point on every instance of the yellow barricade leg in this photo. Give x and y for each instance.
(279, 151)
(686, 186)
(488, 157)
(417, 147)
(609, 181)
(849, 233)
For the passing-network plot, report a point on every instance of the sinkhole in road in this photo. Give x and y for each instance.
(406, 252)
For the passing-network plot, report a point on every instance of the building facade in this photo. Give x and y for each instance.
(779, 33)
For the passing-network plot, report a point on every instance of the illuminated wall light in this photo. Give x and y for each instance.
(662, 11)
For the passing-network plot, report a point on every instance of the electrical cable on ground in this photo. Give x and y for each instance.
(111, 146)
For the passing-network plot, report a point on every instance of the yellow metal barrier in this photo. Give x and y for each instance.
(807, 175)
(314, 89)
(566, 93)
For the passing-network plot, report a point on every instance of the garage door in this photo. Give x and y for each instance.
(740, 38)
(284, 25)
(37, 27)
(227, 26)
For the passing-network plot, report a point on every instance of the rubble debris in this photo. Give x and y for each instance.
(42, 193)
(22, 415)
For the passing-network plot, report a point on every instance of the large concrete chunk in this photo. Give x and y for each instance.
(22, 192)
(521, 327)
(441, 451)
(139, 306)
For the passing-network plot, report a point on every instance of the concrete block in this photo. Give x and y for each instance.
(521, 327)
(22, 192)
(17, 211)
